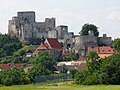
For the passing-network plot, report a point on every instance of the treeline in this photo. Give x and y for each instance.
(12, 50)
(100, 71)
(9, 45)
(41, 65)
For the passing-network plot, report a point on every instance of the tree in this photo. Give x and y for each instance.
(116, 44)
(62, 44)
(45, 59)
(71, 56)
(92, 61)
(111, 67)
(9, 45)
(14, 76)
(107, 73)
(38, 69)
(89, 27)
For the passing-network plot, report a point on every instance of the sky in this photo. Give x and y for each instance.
(105, 14)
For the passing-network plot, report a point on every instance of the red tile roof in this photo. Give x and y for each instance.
(102, 50)
(104, 55)
(50, 44)
(7, 66)
(54, 43)
(43, 46)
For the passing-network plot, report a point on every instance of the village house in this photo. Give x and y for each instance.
(29, 53)
(53, 47)
(67, 66)
(103, 51)
(26, 67)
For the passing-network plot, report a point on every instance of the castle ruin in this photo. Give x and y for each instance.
(25, 26)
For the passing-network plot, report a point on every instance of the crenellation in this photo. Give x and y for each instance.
(25, 26)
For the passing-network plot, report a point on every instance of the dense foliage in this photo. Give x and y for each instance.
(107, 73)
(9, 45)
(45, 59)
(19, 56)
(92, 61)
(42, 65)
(70, 57)
(116, 44)
(37, 70)
(89, 27)
(14, 76)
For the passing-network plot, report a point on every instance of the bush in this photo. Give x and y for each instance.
(14, 77)
(108, 73)
(80, 76)
(71, 56)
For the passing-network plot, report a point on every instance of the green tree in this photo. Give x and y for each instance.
(116, 44)
(62, 44)
(71, 56)
(38, 69)
(110, 66)
(45, 59)
(14, 76)
(107, 73)
(92, 61)
(9, 45)
(89, 27)
(20, 52)
(73, 72)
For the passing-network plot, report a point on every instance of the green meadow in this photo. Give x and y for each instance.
(60, 87)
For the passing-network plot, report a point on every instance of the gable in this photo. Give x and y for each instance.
(53, 43)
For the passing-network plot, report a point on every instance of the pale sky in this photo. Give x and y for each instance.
(105, 14)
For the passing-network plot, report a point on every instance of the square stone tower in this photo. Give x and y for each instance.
(25, 26)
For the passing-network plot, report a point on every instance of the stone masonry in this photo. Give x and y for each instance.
(25, 26)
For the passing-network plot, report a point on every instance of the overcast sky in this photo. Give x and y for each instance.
(105, 14)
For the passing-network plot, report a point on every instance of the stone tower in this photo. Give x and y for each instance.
(25, 26)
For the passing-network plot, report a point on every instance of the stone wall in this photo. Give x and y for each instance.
(59, 32)
(105, 41)
(25, 26)
(87, 40)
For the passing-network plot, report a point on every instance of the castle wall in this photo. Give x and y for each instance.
(58, 32)
(27, 32)
(87, 40)
(12, 28)
(50, 23)
(24, 25)
(28, 17)
(105, 41)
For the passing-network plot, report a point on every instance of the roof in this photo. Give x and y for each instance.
(104, 55)
(50, 44)
(29, 51)
(18, 66)
(80, 65)
(53, 43)
(102, 50)
(43, 46)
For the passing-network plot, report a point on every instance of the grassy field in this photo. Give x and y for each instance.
(60, 87)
